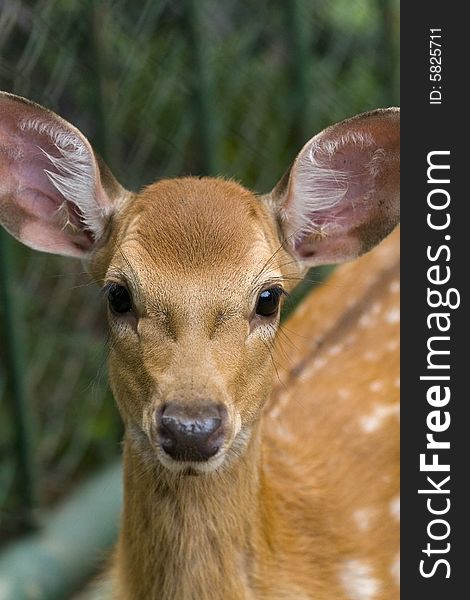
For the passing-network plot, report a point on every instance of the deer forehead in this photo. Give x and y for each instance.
(196, 222)
(186, 235)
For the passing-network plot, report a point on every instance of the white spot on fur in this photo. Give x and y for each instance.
(284, 433)
(350, 339)
(378, 416)
(393, 315)
(395, 286)
(275, 411)
(376, 385)
(317, 364)
(366, 321)
(392, 345)
(335, 350)
(344, 393)
(376, 308)
(394, 508)
(358, 581)
(395, 570)
(371, 356)
(362, 518)
(396, 382)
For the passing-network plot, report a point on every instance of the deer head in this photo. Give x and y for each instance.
(195, 270)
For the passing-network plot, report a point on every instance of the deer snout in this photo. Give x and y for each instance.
(191, 433)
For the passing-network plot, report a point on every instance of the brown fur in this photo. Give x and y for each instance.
(300, 501)
(275, 520)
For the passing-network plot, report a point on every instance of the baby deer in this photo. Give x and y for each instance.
(233, 490)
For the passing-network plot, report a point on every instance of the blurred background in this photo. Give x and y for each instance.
(162, 89)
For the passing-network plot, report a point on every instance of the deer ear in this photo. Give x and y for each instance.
(56, 195)
(341, 196)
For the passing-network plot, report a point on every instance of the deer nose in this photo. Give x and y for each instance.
(191, 433)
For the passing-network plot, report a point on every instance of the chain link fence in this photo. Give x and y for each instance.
(161, 89)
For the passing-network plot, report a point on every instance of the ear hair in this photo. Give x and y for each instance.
(73, 177)
(341, 195)
(318, 188)
(56, 194)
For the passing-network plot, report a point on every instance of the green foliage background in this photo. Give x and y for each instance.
(161, 88)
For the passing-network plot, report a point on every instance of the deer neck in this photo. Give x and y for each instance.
(191, 536)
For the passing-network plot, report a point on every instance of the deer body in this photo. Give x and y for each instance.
(319, 523)
(343, 378)
(233, 490)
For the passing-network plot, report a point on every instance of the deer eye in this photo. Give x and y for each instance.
(268, 301)
(119, 298)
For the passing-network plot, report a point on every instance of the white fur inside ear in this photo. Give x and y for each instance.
(73, 173)
(316, 188)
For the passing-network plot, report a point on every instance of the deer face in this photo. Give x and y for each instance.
(194, 279)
